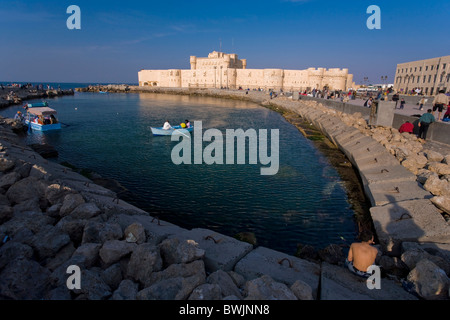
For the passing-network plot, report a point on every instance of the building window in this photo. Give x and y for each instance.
(424, 79)
(420, 69)
(431, 91)
(432, 67)
(444, 66)
(429, 78)
(410, 69)
(415, 69)
(426, 68)
(437, 67)
(448, 77)
(435, 77)
(426, 90)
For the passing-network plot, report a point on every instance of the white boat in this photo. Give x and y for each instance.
(175, 130)
(41, 117)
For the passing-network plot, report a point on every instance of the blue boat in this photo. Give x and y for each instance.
(40, 117)
(175, 130)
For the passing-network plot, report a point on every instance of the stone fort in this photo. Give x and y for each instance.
(222, 70)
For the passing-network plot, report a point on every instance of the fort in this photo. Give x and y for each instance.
(222, 70)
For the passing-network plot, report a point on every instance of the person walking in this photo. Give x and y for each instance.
(395, 98)
(424, 123)
(422, 102)
(439, 102)
(402, 104)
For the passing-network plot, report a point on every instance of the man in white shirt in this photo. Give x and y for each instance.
(167, 125)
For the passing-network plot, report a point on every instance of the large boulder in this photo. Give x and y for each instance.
(145, 260)
(174, 283)
(127, 290)
(24, 279)
(176, 251)
(265, 288)
(437, 187)
(440, 168)
(429, 281)
(114, 250)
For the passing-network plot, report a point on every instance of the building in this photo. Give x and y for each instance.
(222, 70)
(430, 76)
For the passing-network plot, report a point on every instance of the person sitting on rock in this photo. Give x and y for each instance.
(362, 255)
(406, 127)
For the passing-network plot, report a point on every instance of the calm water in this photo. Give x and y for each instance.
(109, 133)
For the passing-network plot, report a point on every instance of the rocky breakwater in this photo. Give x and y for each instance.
(16, 95)
(407, 185)
(52, 218)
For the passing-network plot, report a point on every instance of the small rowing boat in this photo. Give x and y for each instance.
(40, 117)
(175, 130)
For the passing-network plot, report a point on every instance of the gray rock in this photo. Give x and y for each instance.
(53, 210)
(12, 250)
(92, 285)
(99, 232)
(114, 250)
(24, 279)
(9, 179)
(238, 279)
(127, 290)
(206, 291)
(73, 227)
(332, 254)
(70, 202)
(135, 233)
(175, 283)
(23, 168)
(6, 213)
(24, 189)
(302, 290)
(59, 294)
(413, 256)
(113, 276)
(85, 211)
(176, 251)
(62, 256)
(265, 288)
(90, 251)
(49, 241)
(430, 281)
(225, 282)
(144, 260)
(31, 205)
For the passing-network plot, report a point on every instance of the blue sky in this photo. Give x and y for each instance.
(119, 38)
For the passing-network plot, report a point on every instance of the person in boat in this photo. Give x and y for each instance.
(53, 119)
(188, 124)
(167, 125)
(362, 255)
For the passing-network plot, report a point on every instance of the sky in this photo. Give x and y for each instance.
(119, 38)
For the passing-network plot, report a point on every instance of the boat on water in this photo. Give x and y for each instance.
(175, 130)
(40, 117)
